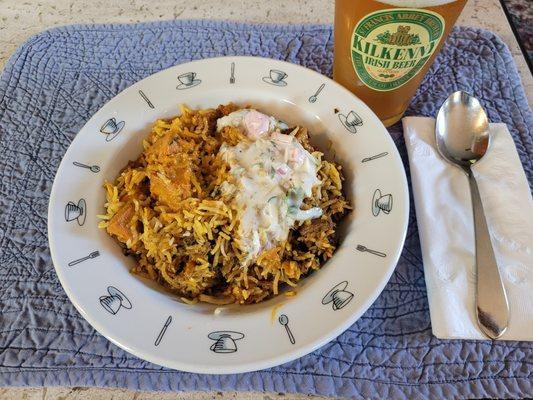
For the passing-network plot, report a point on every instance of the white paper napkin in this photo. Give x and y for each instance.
(444, 214)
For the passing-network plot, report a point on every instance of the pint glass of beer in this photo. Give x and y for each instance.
(384, 48)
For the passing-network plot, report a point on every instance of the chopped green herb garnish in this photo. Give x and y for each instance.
(292, 210)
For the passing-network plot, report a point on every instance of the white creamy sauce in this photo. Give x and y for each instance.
(274, 174)
(251, 121)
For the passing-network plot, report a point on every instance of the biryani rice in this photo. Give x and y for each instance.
(167, 210)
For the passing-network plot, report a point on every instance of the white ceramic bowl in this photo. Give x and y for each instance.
(144, 320)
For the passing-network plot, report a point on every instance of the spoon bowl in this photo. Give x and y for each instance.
(462, 130)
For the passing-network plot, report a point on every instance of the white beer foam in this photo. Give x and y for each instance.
(416, 3)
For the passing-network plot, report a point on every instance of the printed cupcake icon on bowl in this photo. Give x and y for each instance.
(381, 202)
(276, 77)
(115, 300)
(225, 341)
(351, 121)
(111, 128)
(76, 212)
(338, 296)
(188, 80)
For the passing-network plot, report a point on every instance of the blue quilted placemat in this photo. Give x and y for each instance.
(59, 78)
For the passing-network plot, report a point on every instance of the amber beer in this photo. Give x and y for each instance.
(384, 48)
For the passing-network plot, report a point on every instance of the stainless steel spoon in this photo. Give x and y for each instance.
(462, 133)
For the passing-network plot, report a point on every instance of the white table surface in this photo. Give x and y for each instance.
(20, 19)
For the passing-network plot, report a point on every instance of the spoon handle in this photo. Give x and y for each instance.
(320, 89)
(78, 164)
(492, 309)
(289, 332)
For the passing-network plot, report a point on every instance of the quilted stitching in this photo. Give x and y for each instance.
(59, 78)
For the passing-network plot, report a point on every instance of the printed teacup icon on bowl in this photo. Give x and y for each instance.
(188, 80)
(76, 212)
(225, 341)
(338, 296)
(381, 203)
(111, 128)
(115, 300)
(276, 77)
(351, 121)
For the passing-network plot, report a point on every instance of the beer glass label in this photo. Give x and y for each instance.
(389, 47)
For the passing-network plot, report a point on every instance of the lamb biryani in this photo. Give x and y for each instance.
(226, 205)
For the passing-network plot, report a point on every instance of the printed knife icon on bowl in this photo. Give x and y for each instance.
(163, 331)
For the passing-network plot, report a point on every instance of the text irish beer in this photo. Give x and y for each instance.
(384, 48)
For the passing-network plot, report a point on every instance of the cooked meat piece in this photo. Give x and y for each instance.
(120, 225)
(171, 192)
